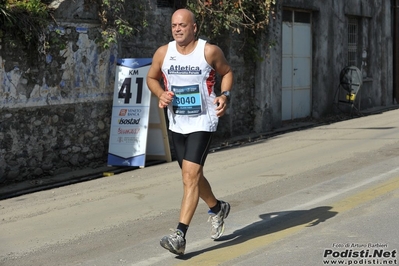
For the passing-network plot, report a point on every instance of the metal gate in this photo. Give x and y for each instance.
(297, 65)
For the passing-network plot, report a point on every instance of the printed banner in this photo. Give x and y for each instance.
(130, 113)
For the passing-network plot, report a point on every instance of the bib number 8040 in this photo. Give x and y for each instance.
(185, 100)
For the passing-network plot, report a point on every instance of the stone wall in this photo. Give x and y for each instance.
(38, 142)
(55, 103)
(329, 49)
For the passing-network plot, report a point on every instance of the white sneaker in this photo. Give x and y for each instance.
(217, 220)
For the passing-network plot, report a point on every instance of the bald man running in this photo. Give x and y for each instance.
(188, 67)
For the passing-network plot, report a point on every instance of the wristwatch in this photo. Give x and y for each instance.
(227, 94)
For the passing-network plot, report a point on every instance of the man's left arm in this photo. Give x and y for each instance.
(222, 67)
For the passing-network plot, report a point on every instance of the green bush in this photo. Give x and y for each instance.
(24, 20)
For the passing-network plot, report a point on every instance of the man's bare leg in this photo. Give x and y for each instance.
(195, 186)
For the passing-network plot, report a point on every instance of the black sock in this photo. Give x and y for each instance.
(183, 227)
(216, 209)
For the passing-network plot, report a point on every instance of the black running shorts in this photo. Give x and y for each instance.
(192, 147)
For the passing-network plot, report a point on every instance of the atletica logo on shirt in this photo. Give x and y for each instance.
(184, 70)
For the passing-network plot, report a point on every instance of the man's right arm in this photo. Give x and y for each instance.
(154, 76)
(155, 73)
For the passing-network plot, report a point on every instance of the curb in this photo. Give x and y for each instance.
(27, 187)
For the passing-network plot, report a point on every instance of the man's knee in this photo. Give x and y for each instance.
(191, 178)
(191, 173)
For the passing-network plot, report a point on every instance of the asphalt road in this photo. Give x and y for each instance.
(311, 197)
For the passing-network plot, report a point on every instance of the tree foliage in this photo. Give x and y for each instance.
(24, 19)
(28, 18)
(216, 16)
(213, 16)
(116, 24)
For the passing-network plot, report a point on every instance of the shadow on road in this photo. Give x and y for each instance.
(270, 223)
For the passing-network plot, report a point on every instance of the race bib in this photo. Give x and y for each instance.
(187, 100)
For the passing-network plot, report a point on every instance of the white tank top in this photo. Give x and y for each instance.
(192, 80)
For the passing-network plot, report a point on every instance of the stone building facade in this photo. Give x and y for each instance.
(55, 112)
